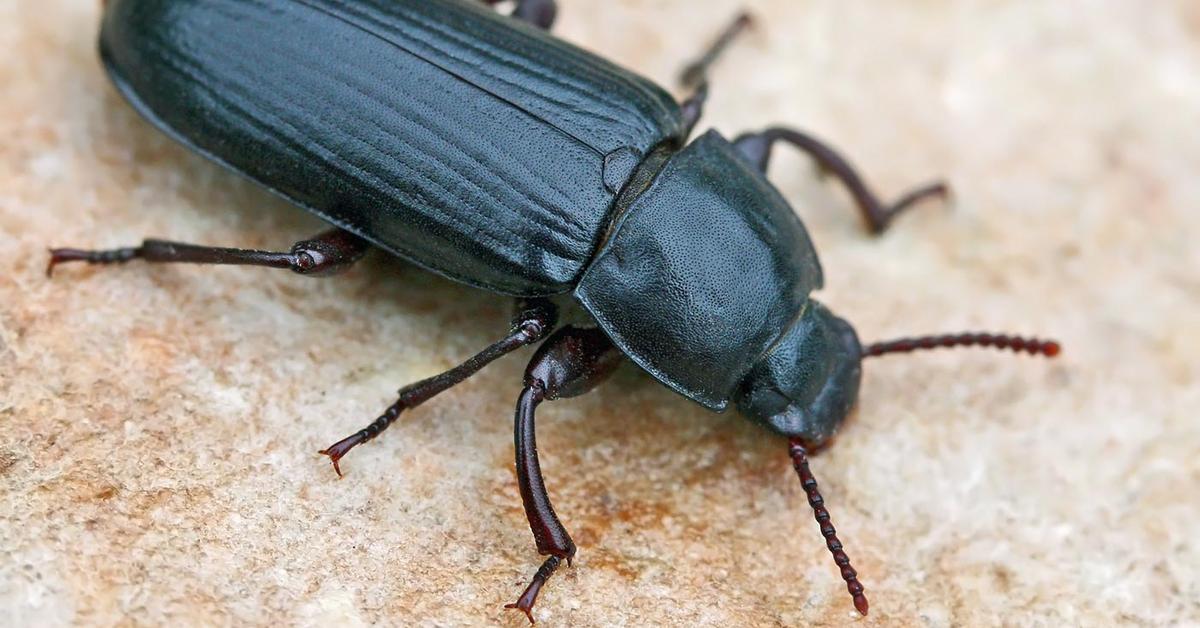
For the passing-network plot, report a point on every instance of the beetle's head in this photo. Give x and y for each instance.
(806, 385)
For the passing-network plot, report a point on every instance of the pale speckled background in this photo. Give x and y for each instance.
(159, 425)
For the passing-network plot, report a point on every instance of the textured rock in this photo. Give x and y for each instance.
(157, 456)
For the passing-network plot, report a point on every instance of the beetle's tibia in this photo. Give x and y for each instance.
(529, 596)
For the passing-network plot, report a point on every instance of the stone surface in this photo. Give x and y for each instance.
(157, 456)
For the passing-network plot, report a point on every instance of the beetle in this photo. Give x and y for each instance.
(479, 147)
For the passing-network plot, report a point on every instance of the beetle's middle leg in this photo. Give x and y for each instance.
(572, 362)
(534, 319)
(329, 253)
(757, 147)
(540, 13)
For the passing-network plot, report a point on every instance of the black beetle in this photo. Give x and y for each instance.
(481, 148)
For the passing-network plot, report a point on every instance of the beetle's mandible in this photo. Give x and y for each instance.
(479, 147)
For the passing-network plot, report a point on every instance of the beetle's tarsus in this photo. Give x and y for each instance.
(54, 260)
(523, 610)
(938, 190)
(340, 449)
(528, 610)
(111, 256)
(529, 596)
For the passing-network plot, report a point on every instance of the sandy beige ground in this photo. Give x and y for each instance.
(159, 425)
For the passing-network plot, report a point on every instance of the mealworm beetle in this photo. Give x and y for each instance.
(481, 148)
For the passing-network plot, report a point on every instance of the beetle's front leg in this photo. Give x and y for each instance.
(535, 318)
(572, 362)
(757, 147)
(540, 13)
(329, 253)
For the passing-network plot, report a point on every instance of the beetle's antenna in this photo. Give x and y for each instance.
(1017, 344)
(800, 463)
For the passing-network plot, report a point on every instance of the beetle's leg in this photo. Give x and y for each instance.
(757, 148)
(695, 75)
(329, 253)
(540, 13)
(535, 319)
(570, 363)
(692, 109)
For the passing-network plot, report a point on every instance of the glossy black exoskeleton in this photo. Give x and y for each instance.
(479, 147)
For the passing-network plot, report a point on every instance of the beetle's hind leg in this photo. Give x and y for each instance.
(329, 253)
(757, 147)
(534, 319)
(540, 13)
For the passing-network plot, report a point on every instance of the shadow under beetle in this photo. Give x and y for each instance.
(483, 149)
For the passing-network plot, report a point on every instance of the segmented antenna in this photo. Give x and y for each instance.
(1034, 346)
(800, 463)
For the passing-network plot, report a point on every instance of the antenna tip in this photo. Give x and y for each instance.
(860, 604)
(1051, 349)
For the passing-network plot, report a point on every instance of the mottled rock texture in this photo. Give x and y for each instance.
(159, 426)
